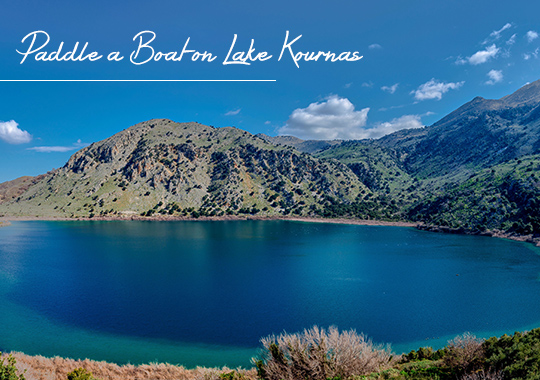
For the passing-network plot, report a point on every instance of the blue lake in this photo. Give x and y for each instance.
(204, 293)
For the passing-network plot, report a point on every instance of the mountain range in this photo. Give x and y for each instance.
(476, 170)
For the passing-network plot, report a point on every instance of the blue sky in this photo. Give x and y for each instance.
(421, 60)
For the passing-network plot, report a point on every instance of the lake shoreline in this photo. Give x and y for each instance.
(535, 240)
(164, 218)
(5, 221)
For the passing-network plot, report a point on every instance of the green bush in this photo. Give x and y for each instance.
(233, 375)
(517, 356)
(8, 371)
(80, 374)
(423, 353)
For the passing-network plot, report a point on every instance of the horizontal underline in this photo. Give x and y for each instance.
(137, 80)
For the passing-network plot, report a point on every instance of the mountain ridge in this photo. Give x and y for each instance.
(162, 167)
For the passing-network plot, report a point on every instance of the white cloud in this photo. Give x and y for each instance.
(233, 112)
(348, 85)
(461, 61)
(384, 109)
(531, 36)
(367, 84)
(483, 56)
(336, 118)
(495, 76)
(403, 122)
(532, 54)
(375, 46)
(12, 134)
(390, 89)
(496, 34)
(434, 89)
(512, 40)
(267, 122)
(333, 118)
(51, 149)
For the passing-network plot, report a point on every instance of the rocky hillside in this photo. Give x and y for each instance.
(306, 146)
(504, 197)
(13, 189)
(162, 167)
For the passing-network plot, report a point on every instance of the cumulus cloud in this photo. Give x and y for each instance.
(12, 134)
(531, 36)
(333, 118)
(434, 89)
(483, 56)
(233, 112)
(336, 118)
(375, 46)
(403, 122)
(390, 89)
(480, 56)
(495, 76)
(55, 149)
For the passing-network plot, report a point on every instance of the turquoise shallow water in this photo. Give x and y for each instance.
(203, 293)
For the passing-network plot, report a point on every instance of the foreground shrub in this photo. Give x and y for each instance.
(8, 371)
(517, 356)
(423, 353)
(464, 354)
(424, 369)
(318, 354)
(80, 374)
(232, 375)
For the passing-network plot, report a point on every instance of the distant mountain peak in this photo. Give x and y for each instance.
(526, 95)
(480, 133)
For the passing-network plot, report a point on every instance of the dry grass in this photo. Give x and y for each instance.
(319, 354)
(42, 368)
